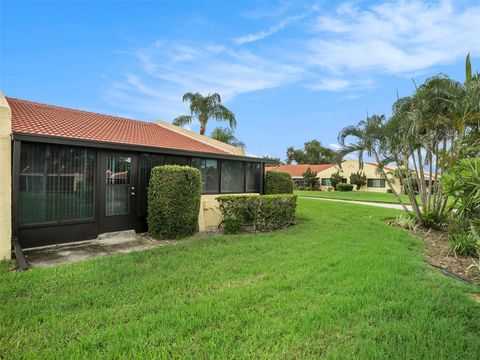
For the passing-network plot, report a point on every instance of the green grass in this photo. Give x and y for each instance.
(356, 196)
(340, 284)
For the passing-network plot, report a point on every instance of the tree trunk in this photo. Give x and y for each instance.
(377, 158)
(203, 124)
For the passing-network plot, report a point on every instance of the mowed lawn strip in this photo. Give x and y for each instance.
(340, 284)
(381, 197)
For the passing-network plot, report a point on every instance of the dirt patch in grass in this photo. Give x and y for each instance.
(438, 255)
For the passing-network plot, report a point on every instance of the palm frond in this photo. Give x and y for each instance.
(182, 120)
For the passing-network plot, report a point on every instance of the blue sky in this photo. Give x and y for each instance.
(291, 71)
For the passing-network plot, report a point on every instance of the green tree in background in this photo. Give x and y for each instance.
(310, 178)
(359, 179)
(227, 136)
(312, 153)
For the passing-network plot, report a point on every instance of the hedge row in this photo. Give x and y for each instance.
(278, 182)
(173, 201)
(262, 212)
(344, 187)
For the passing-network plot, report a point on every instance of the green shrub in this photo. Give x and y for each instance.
(463, 244)
(233, 225)
(344, 187)
(262, 212)
(336, 179)
(278, 182)
(173, 201)
(389, 191)
(359, 179)
(406, 221)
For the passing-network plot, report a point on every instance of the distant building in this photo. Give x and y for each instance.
(375, 181)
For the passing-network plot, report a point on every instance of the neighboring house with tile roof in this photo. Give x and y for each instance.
(77, 174)
(375, 182)
(297, 171)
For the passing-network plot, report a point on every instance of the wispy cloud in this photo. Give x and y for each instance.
(263, 34)
(166, 70)
(343, 51)
(395, 37)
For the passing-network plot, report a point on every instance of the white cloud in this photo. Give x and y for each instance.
(334, 146)
(330, 85)
(343, 51)
(166, 70)
(263, 34)
(395, 37)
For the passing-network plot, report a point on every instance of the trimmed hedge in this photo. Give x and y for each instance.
(344, 187)
(278, 182)
(262, 212)
(173, 201)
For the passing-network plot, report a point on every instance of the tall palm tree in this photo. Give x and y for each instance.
(204, 108)
(227, 136)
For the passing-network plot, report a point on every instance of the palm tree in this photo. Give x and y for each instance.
(205, 108)
(227, 136)
(369, 135)
(428, 133)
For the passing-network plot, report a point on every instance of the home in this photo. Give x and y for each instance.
(375, 181)
(70, 175)
(297, 171)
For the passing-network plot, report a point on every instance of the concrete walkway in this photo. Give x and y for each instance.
(106, 244)
(369, 203)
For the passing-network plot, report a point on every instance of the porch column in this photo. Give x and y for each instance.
(5, 179)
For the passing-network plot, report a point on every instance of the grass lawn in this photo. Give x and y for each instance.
(355, 195)
(340, 284)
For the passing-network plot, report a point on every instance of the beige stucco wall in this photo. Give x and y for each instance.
(5, 179)
(210, 216)
(352, 166)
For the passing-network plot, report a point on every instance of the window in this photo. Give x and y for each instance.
(56, 183)
(175, 160)
(233, 177)
(376, 183)
(147, 162)
(328, 181)
(253, 177)
(209, 170)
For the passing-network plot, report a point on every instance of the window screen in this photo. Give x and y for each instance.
(56, 183)
(253, 177)
(233, 177)
(209, 170)
(147, 162)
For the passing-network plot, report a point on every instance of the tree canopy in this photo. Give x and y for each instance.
(204, 108)
(312, 153)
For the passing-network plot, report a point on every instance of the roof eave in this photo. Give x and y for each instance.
(21, 136)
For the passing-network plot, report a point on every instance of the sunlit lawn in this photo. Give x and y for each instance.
(340, 284)
(356, 195)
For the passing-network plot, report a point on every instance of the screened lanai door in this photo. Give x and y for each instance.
(118, 191)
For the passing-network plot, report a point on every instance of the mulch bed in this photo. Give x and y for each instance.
(438, 255)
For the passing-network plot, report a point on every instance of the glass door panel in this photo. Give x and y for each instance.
(118, 185)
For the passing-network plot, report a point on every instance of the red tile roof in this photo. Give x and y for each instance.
(298, 170)
(41, 119)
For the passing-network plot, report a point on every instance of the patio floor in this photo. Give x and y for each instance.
(106, 244)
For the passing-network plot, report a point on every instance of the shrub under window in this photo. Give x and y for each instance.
(344, 187)
(262, 212)
(173, 201)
